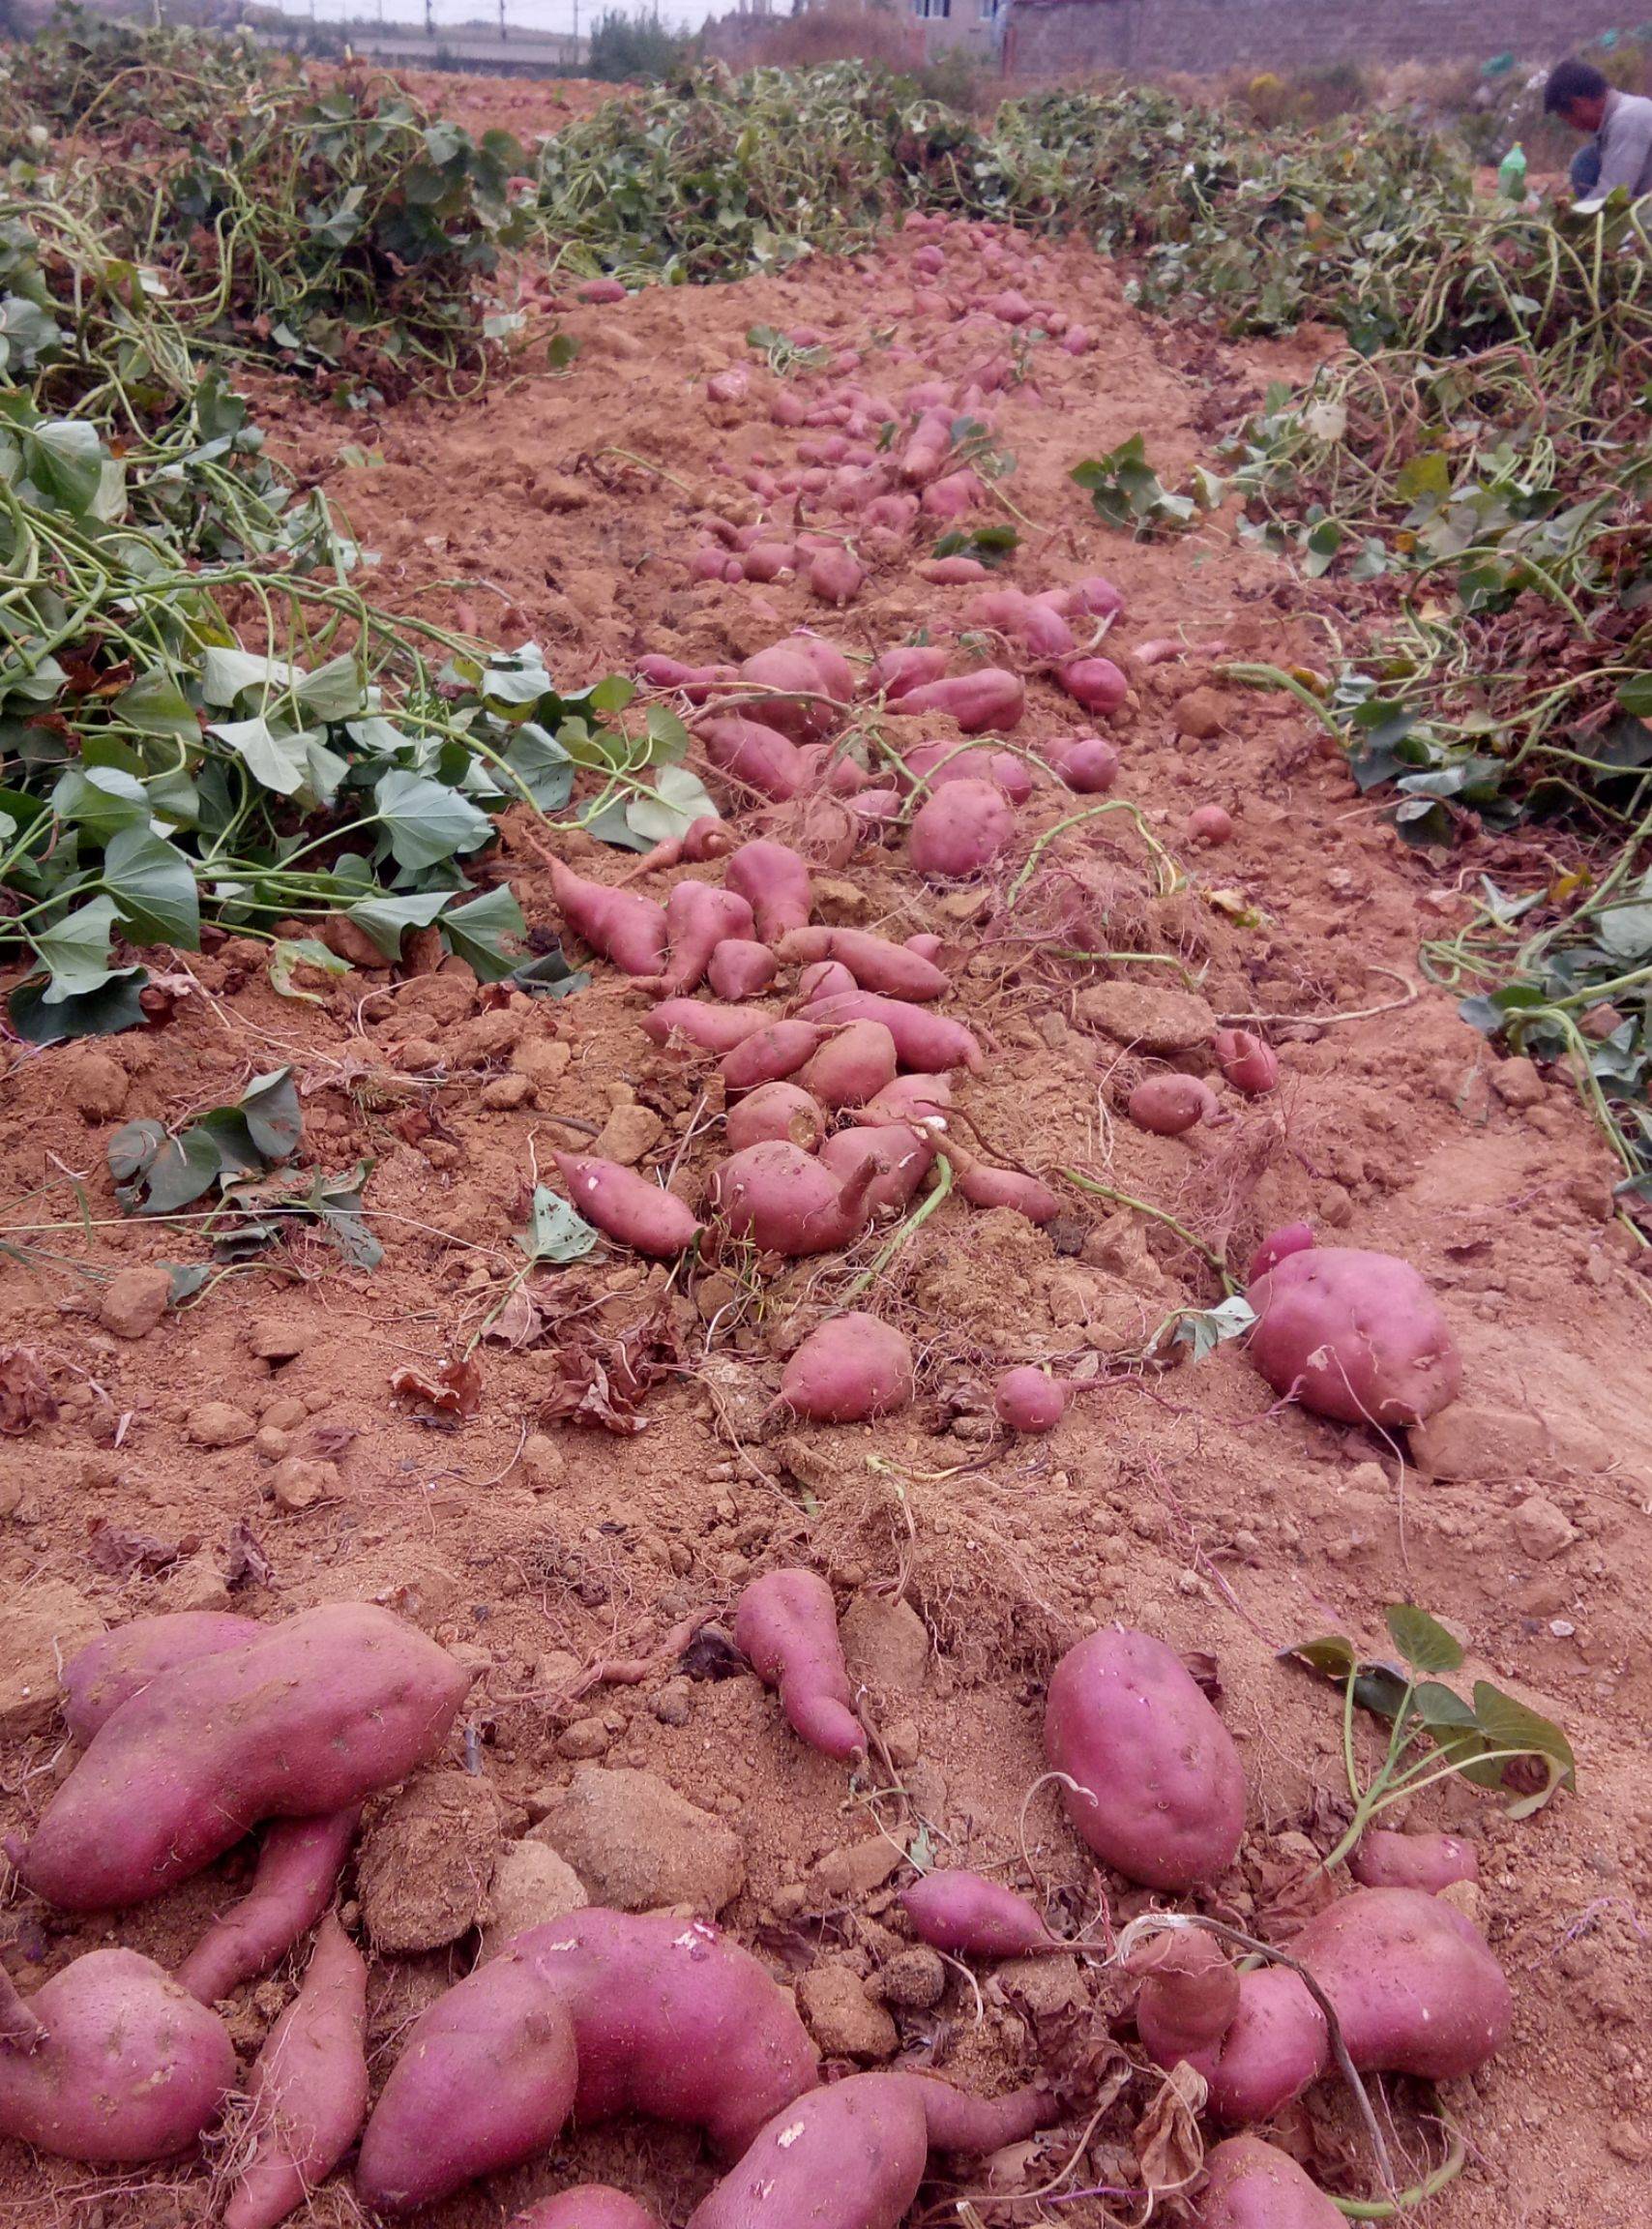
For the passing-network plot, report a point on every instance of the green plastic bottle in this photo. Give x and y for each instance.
(1512, 173)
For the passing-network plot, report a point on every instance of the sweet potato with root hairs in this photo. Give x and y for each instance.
(984, 1186)
(1189, 1990)
(974, 1918)
(119, 1664)
(621, 925)
(1028, 1399)
(923, 1038)
(741, 968)
(1096, 683)
(589, 2206)
(1386, 1859)
(698, 916)
(1088, 764)
(852, 2155)
(1170, 1103)
(912, 666)
(1255, 2185)
(1354, 1335)
(1414, 1987)
(851, 1368)
(774, 883)
(959, 830)
(598, 2014)
(307, 2091)
(293, 1884)
(110, 2062)
(1246, 1062)
(319, 1711)
(778, 1110)
(785, 1203)
(627, 1207)
(701, 1023)
(761, 758)
(897, 1157)
(851, 1067)
(1161, 1791)
(786, 1625)
(876, 963)
(988, 697)
(937, 762)
(769, 1053)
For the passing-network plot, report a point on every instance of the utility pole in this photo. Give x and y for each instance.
(429, 18)
(504, 29)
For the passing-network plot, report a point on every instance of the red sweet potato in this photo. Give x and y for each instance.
(1096, 683)
(590, 2206)
(1189, 1990)
(701, 1023)
(799, 708)
(974, 1918)
(984, 1186)
(1026, 1398)
(876, 963)
(824, 979)
(851, 1067)
(922, 1039)
(741, 968)
(297, 1874)
(910, 667)
(1431, 1862)
(748, 752)
(1288, 1239)
(1355, 1335)
(959, 830)
(923, 1101)
(110, 2062)
(698, 916)
(851, 1368)
(621, 925)
(119, 1664)
(1161, 1791)
(598, 2014)
(774, 883)
(629, 1209)
(1086, 763)
(779, 1110)
(988, 697)
(1169, 1104)
(307, 2092)
(895, 1156)
(1210, 824)
(1246, 1061)
(785, 1203)
(779, 1049)
(936, 763)
(786, 1625)
(1255, 2185)
(317, 1712)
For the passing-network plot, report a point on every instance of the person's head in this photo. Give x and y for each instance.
(1577, 92)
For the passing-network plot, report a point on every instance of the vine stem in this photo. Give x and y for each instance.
(1158, 1215)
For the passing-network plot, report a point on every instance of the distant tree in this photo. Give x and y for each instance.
(635, 47)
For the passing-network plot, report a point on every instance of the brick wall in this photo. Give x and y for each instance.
(1067, 40)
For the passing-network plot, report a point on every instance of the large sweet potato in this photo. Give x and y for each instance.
(110, 2062)
(1255, 2185)
(1355, 1335)
(314, 1714)
(115, 1667)
(598, 2014)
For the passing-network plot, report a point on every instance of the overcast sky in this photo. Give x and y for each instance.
(531, 15)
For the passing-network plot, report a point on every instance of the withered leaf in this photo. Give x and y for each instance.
(1168, 2142)
(451, 1388)
(123, 1553)
(26, 1397)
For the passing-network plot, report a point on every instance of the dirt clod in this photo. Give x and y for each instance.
(638, 1845)
(135, 1300)
(427, 1861)
(843, 2019)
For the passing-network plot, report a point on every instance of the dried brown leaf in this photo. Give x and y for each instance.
(1168, 2142)
(519, 1324)
(245, 1563)
(26, 1397)
(452, 1388)
(121, 1554)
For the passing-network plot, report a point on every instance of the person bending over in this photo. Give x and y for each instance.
(1619, 152)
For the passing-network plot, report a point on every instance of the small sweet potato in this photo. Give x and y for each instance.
(293, 1884)
(110, 2062)
(908, 667)
(1246, 1061)
(621, 925)
(741, 968)
(786, 1625)
(1190, 1991)
(1169, 1104)
(1026, 1398)
(1211, 824)
(959, 830)
(321, 1709)
(975, 1918)
(774, 883)
(852, 2155)
(937, 762)
(1385, 1859)
(922, 1039)
(1288, 1239)
(1096, 683)
(852, 1066)
(785, 1203)
(1086, 763)
(627, 1207)
(1255, 2185)
(307, 2092)
(589, 2206)
(984, 1186)
(1355, 1335)
(119, 1664)
(698, 916)
(598, 2014)
(851, 1368)
(1161, 1791)
(778, 1110)
(876, 963)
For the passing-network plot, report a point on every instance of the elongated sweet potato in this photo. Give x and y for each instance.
(698, 1022)
(599, 2014)
(984, 1186)
(972, 1916)
(1431, 1862)
(989, 698)
(851, 2156)
(297, 1873)
(785, 1625)
(1255, 2185)
(773, 881)
(910, 667)
(621, 925)
(894, 970)
(759, 756)
(627, 1207)
(922, 1039)
(110, 2062)
(307, 2092)
(851, 1368)
(1161, 1791)
(119, 1664)
(769, 1053)
(316, 1714)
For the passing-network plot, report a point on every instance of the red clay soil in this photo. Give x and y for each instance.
(1184, 1500)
